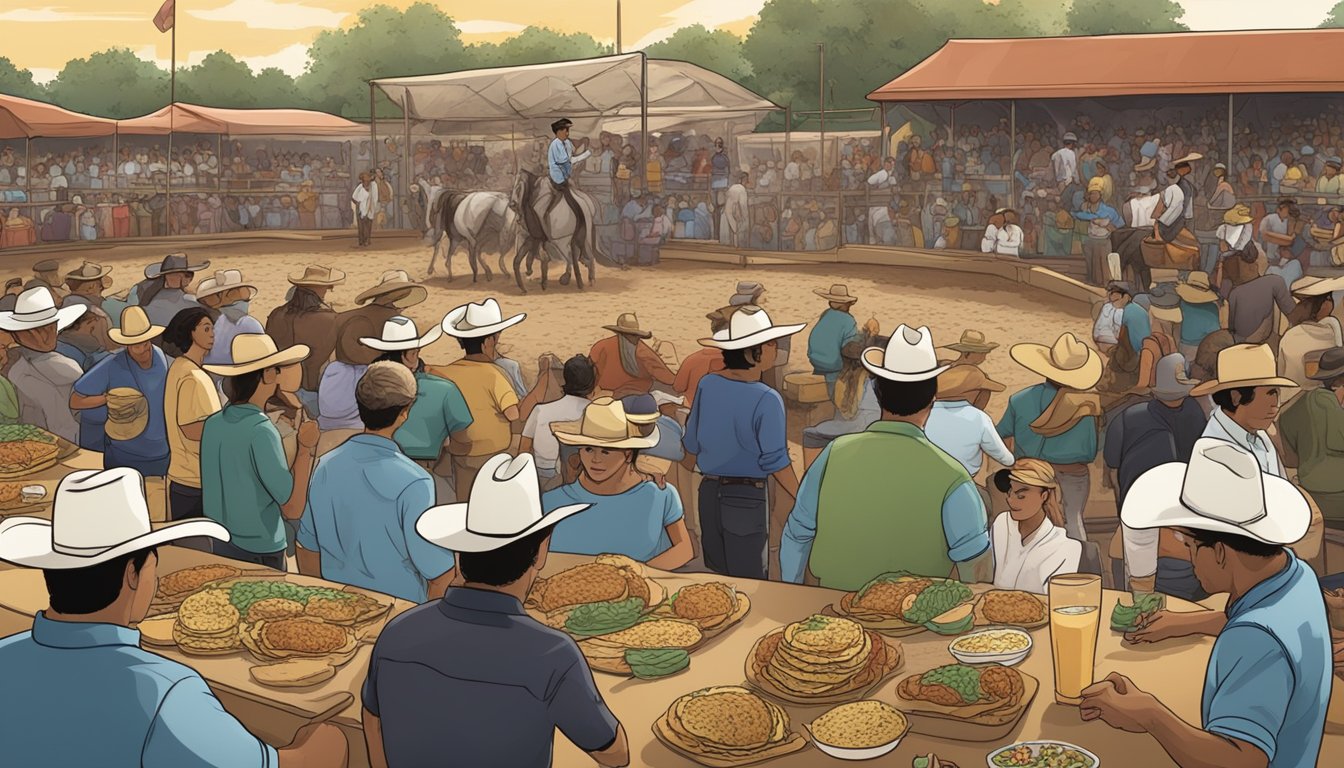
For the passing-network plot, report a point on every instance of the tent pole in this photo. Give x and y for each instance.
(513, 148)
(1012, 150)
(28, 185)
(644, 120)
(1229, 132)
(405, 156)
(821, 97)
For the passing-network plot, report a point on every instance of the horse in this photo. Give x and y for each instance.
(471, 218)
(554, 234)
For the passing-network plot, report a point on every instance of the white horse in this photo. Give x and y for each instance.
(472, 219)
(561, 236)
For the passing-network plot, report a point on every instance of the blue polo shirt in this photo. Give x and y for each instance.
(245, 478)
(473, 679)
(364, 499)
(736, 429)
(90, 696)
(147, 452)
(1134, 318)
(1268, 679)
(834, 329)
(438, 411)
(1198, 321)
(1076, 446)
(633, 523)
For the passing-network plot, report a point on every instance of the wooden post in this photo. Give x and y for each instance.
(1228, 161)
(405, 156)
(1012, 150)
(643, 162)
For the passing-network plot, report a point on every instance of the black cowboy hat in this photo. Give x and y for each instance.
(174, 262)
(561, 124)
(1331, 365)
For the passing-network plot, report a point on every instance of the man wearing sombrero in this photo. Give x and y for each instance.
(43, 377)
(229, 295)
(842, 527)
(87, 284)
(82, 660)
(1101, 220)
(972, 349)
(163, 293)
(626, 364)
(1309, 426)
(1267, 686)
(128, 387)
(478, 647)
(1246, 395)
(394, 293)
(306, 318)
(832, 331)
(958, 423)
(1199, 313)
(1313, 328)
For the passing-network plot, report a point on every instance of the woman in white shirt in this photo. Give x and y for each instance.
(1030, 544)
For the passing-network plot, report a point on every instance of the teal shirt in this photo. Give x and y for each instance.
(1198, 321)
(438, 411)
(1135, 319)
(834, 329)
(1077, 446)
(245, 478)
(633, 523)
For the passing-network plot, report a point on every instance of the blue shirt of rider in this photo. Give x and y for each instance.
(559, 159)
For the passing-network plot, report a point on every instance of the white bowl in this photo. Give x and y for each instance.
(1007, 659)
(33, 492)
(1035, 747)
(843, 753)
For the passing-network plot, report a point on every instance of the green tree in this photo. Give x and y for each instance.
(113, 83)
(716, 50)
(220, 80)
(1106, 17)
(536, 45)
(1336, 17)
(19, 82)
(274, 88)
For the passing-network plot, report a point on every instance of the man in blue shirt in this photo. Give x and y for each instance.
(560, 159)
(735, 435)
(365, 497)
(1101, 220)
(833, 330)
(82, 691)
(1267, 685)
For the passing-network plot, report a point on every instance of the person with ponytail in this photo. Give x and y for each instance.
(1029, 541)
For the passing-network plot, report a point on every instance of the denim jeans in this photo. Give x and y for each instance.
(1176, 577)
(185, 503)
(274, 560)
(735, 527)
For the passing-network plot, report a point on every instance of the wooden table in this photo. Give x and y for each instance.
(156, 488)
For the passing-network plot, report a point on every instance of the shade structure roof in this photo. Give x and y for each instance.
(24, 118)
(1277, 61)
(191, 118)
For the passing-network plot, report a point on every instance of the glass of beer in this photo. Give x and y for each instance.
(1075, 617)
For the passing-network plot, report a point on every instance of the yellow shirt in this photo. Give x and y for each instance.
(189, 396)
(488, 394)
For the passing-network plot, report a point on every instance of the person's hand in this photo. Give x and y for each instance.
(1119, 703)
(321, 744)
(1162, 625)
(308, 435)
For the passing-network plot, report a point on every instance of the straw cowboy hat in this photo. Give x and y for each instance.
(1318, 286)
(88, 272)
(1196, 289)
(174, 262)
(256, 352)
(909, 356)
(1237, 215)
(838, 294)
(315, 274)
(604, 425)
(476, 321)
(504, 506)
(1068, 361)
(95, 517)
(224, 280)
(628, 325)
(127, 413)
(1096, 185)
(1221, 490)
(973, 341)
(962, 380)
(1244, 365)
(135, 328)
(749, 326)
(400, 333)
(1190, 158)
(36, 308)
(391, 282)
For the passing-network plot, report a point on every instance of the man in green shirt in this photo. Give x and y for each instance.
(1313, 426)
(246, 484)
(834, 329)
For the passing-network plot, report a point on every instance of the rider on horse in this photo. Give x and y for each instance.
(561, 159)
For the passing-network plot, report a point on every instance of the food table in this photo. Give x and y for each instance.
(156, 489)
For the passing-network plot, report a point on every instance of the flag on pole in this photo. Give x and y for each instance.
(166, 16)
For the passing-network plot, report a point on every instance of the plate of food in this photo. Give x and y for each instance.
(860, 730)
(822, 660)
(613, 579)
(1000, 645)
(610, 653)
(1011, 607)
(967, 703)
(900, 603)
(26, 449)
(1042, 754)
(727, 726)
(713, 606)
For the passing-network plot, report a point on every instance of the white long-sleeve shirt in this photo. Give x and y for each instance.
(966, 433)
(1008, 240)
(881, 180)
(1065, 164)
(1141, 211)
(1107, 328)
(1028, 565)
(1173, 198)
(990, 240)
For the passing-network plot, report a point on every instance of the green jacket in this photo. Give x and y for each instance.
(1314, 428)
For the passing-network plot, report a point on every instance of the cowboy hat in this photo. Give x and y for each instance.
(95, 517)
(174, 262)
(1196, 289)
(315, 274)
(748, 327)
(1170, 380)
(1330, 366)
(36, 308)
(504, 506)
(135, 328)
(1096, 185)
(1221, 490)
(908, 356)
(838, 294)
(400, 333)
(47, 265)
(1318, 286)
(1164, 303)
(1244, 365)
(1068, 361)
(1237, 214)
(1190, 158)
(476, 321)
(88, 272)
(643, 409)
(961, 380)
(391, 282)
(127, 413)
(627, 324)
(256, 352)
(1069, 136)
(224, 280)
(1145, 164)
(973, 341)
(604, 425)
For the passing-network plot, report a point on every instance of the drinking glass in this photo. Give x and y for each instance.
(1075, 619)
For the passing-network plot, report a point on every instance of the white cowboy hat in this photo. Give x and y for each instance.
(605, 425)
(224, 280)
(749, 326)
(36, 308)
(1221, 490)
(475, 321)
(400, 333)
(1068, 361)
(505, 506)
(95, 517)
(255, 352)
(909, 356)
(135, 328)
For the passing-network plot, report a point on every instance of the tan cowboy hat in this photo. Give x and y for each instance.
(1190, 158)
(127, 413)
(1244, 365)
(255, 352)
(224, 280)
(1196, 289)
(961, 380)
(1318, 286)
(391, 282)
(1096, 185)
(627, 324)
(604, 425)
(476, 321)
(89, 272)
(1237, 215)
(973, 341)
(1068, 361)
(135, 328)
(316, 274)
(838, 294)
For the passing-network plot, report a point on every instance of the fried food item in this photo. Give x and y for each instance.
(706, 604)
(587, 583)
(293, 673)
(332, 609)
(728, 724)
(860, 725)
(21, 455)
(1002, 606)
(659, 633)
(191, 579)
(958, 685)
(821, 656)
(208, 613)
(205, 645)
(1002, 683)
(886, 598)
(158, 630)
(310, 637)
(274, 608)
(11, 494)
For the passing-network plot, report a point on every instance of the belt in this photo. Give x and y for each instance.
(1071, 469)
(754, 482)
